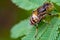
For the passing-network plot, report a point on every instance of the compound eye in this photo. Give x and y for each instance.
(36, 19)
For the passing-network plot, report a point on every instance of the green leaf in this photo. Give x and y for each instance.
(56, 1)
(57, 8)
(41, 30)
(31, 35)
(51, 32)
(20, 29)
(58, 37)
(44, 31)
(28, 4)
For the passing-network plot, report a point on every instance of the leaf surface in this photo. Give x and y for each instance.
(51, 32)
(56, 1)
(20, 29)
(28, 4)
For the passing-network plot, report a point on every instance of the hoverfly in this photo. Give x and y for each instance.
(40, 13)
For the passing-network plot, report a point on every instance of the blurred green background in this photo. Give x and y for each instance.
(10, 14)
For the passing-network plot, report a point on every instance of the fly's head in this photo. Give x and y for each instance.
(34, 19)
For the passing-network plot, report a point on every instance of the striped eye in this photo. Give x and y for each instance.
(34, 19)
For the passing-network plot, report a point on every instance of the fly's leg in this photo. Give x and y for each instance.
(47, 22)
(41, 17)
(36, 33)
(53, 14)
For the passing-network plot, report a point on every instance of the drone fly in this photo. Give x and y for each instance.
(41, 12)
